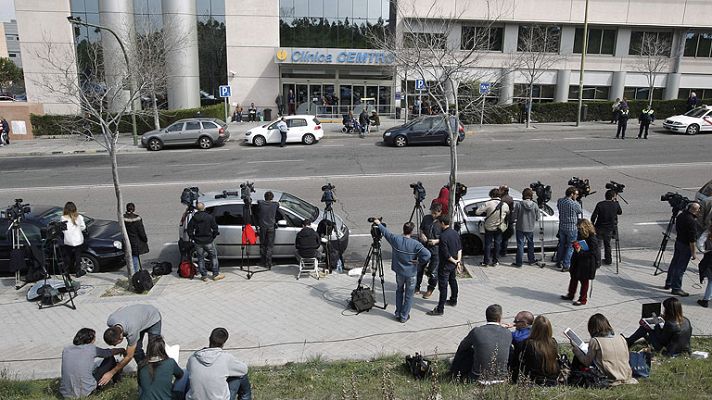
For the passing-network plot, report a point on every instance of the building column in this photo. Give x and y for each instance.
(617, 85)
(506, 89)
(672, 86)
(563, 80)
(180, 21)
(119, 17)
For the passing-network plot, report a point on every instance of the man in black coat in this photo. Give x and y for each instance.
(267, 217)
(605, 219)
(202, 230)
(686, 227)
(307, 242)
(137, 235)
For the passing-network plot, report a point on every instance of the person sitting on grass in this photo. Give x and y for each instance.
(674, 335)
(214, 374)
(79, 374)
(522, 326)
(537, 357)
(607, 351)
(156, 372)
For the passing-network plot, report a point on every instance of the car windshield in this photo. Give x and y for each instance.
(54, 214)
(299, 206)
(697, 112)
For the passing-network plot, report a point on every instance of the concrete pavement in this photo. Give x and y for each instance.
(274, 318)
(75, 144)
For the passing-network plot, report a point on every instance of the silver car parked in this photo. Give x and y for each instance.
(205, 132)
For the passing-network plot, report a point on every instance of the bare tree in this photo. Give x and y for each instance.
(538, 47)
(653, 57)
(426, 45)
(90, 93)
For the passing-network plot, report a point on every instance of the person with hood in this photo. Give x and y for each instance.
(214, 374)
(202, 230)
(137, 235)
(526, 215)
(443, 199)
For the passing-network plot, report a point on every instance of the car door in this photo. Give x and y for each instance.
(551, 226)
(173, 133)
(419, 130)
(272, 134)
(706, 125)
(288, 225)
(191, 132)
(297, 128)
(438, 132)
(229, 219)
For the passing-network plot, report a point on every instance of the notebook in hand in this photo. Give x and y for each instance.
(576, 340)
(583, 244)
(649, 315)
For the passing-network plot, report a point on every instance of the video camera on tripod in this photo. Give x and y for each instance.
(583, 186)
(677, 201)
(327, 196)
(460, 191)
(246, 190)
(190, 196)
(54, 230)
(376, 233)
(543, 192)
(17, 211)
(418, 191)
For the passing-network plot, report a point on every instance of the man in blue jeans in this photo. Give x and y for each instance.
(526, 215)
(202, 230)
(569, 213)
(450, 251)
(408, 253)
(686, 228)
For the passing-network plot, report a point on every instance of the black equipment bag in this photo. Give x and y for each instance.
(49, 296)
(17, 260)
(161, 268)
(142, 281)
(418, 366)
(362, 299)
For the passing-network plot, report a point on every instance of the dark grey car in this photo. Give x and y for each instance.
(205, 132)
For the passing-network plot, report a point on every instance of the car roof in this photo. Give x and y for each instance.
(476, 193)
(208, 198)
(198, 119)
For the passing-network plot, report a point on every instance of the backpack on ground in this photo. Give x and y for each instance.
(142, 281)
(187, 269)
(418, 366)
(362, 299)
(161, 268)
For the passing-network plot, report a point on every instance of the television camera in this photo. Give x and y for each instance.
(583, 186)
(543, 192)
(54, 230)
(376, 233)
(245, 191)
(17, 211)
(677, 201)
(460, 191)
(327, 196)
(190, 196)
(418, 191)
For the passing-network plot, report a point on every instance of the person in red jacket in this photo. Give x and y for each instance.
(443, 199)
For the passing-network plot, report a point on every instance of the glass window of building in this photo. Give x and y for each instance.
(641, 93)
(485, 38)
(539, 38)
(540, 93)
(212, 50)
(424, 40)
(600, 41)
(332, 23)
(650, 43)
(589, 92)
(698, 44)
(703, 94)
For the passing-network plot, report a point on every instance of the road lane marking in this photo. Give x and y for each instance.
(650, 223)
(585, 151)
(575, 138)
(272, 161)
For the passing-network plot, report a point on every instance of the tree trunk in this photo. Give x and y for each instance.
(650, 93)
(528, 105)
(156, 120)
(453, 167)
(119, 210)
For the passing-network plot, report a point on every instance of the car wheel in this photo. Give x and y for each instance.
(471, 244)
(308, 139)
(205, 142)
(692, 129)
(259, 141)
(154, 144)
(89, 263)
(400, 141)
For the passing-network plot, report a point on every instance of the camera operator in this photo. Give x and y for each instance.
(73, 238)
(450, 252)
(407, 254)
(507, 199)
(202, 230)
(605, 220)
(430, 230)
(267, 217)
(686, 228)
(569, 212)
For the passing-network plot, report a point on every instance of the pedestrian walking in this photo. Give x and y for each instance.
(646, 117)
(363, 121)
(137, 235)
(4, 132)
(291, 103)
(283, 130)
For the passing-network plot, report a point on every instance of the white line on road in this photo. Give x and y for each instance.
(576, 138)
(332, 145)
(272, 161)
(650, 223)
(606, 150)
(693, 188)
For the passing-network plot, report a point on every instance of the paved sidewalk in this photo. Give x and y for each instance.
(274, 318)
(74, 144)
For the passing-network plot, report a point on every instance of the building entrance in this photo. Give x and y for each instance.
(334, 98)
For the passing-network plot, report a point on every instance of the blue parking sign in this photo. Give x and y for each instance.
(225, 91)
(485, 87)
(420, 84)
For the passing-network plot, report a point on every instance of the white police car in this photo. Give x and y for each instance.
(692, 122)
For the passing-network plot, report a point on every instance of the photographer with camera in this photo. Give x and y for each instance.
(605, 220)
(686, 227)
(73, 238)
(430, 230)
(450, 252)
(407, 255)
(202, 230)
(267, 217)
(569, 212)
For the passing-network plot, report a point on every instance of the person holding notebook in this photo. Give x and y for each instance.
(585, 260)
(674, 335)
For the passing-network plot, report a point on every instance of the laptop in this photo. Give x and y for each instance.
(650, 315)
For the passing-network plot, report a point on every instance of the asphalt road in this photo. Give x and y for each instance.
(372, 179)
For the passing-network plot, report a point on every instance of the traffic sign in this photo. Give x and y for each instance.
(225, 91)
(398, 96)
(420, 84)
(485, 87)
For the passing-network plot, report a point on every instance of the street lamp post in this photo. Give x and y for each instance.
(132, 90)
(583, 64)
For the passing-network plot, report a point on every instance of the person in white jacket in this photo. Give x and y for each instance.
(215, 374)
(73, 239)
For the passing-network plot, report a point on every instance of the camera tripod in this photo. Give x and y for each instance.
(542, 262)
(417, 213)
(331, 228)
(459, 215)
(17, 235)
(374, 259)
(246, 241)
(617, 249)
(663, 243)
(57, 265)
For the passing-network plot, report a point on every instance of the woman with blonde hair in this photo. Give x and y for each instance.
(537, 357)
(73, 238)
(584, 262)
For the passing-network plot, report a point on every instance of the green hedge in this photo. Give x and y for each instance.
(43, 125)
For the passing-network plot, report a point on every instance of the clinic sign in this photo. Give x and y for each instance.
(333, 57)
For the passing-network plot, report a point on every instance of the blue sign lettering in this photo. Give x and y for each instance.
(343, 57)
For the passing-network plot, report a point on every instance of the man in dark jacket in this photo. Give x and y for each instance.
(202, 230)
(450, 252)
(686, 227)
(137, 235)
(605, 219)
(645, 118)
(307, 241)
(505, 197)
(622, 120)
(363, 121)
(267, 217)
